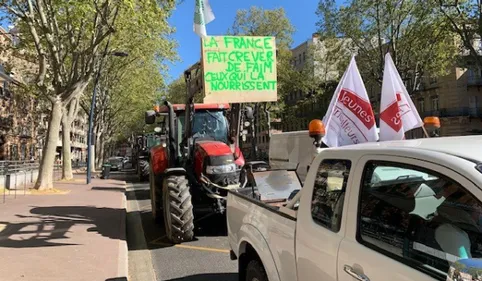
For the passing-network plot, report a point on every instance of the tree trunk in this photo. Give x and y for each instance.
(66, 148)
(68, 116)
(45, 177)
(97, 151)
(99, 159)
(102, 150)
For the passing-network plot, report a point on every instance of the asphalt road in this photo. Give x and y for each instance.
(205, 259)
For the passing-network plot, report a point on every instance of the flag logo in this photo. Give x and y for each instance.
(359, 107)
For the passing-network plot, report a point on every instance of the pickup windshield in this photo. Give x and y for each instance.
(208, 125)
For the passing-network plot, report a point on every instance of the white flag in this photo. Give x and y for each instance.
(397, 111)
(350, 118)
(203, 14)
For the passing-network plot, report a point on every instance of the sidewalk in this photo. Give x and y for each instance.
(74, 236)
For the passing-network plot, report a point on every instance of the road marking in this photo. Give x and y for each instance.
(203, 248)
(183, 246)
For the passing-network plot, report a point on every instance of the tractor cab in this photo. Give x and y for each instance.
(209, 123)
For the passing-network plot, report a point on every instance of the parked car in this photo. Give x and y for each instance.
(403, 210)
(116, 163)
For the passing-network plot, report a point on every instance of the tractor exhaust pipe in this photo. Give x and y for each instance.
(172, 138)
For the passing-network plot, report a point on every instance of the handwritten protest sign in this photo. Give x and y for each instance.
(239, 69)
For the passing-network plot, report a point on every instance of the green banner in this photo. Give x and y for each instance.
(239, 69)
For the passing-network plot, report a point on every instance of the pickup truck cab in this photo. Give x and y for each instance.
(404, 210)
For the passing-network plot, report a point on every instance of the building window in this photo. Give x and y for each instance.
(329, 193)
(23, 151)
(299, 58)
(32, 151)
(421, 105)
(473, 102)
(435, 105)
(418, 216)
(304, 56)
(14, 152)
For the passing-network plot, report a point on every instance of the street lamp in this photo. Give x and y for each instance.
(90, 139)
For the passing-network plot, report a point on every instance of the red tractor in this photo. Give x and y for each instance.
(196, 167)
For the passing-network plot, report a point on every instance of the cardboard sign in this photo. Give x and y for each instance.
(239, 69)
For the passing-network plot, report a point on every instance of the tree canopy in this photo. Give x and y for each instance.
(417, 37)
(465, 20)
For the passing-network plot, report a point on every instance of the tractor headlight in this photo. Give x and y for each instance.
(221, 169)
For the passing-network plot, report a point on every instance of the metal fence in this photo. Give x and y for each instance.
(17, 176)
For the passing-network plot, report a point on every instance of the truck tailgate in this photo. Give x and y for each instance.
(270, 232)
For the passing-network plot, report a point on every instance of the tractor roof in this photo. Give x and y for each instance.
(197, 106)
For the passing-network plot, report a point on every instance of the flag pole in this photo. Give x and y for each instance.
(425, 132)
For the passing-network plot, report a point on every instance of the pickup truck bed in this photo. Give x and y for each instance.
(244, 213)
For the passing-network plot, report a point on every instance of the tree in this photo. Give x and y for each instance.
(465, 20)
(411, 30)
(67, 39)
(129, 86)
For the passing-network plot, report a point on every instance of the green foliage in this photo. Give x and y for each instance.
(176, 92)
(412, 31)
(131, 85)
(465, 20)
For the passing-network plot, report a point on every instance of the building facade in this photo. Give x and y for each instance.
(455, 98)
(23, 115)
(78, 138)
(18, 120)
(314, 58)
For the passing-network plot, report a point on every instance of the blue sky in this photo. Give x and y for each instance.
(300, 12)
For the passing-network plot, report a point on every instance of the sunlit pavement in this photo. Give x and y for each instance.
(206, 258)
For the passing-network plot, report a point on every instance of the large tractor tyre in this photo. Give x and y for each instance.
(156, 195)
(255, 271)
(143, 170)
(177, 208)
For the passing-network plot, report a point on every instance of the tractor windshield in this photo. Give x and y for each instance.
(208, 124)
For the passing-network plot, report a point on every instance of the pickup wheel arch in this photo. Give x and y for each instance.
(247, 252)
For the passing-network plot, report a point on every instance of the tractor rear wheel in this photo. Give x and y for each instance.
(143, 170)
(178, 210)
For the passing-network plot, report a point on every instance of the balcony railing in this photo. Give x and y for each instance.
(474, 81)
(454, 112)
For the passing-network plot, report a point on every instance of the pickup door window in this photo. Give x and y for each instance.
(329, 193)
(417, 217)
(318, 235)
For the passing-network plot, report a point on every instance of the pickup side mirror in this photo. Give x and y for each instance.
(150, 117)
(465, 269)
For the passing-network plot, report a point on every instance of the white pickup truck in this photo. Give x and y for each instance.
(377, 211)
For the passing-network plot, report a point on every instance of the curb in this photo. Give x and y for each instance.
(140, 262)
(123, 258)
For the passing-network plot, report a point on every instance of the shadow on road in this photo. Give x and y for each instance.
(209, 277)
(140, 194)
(205, 226)
(53, 223)
(212, 226)
(114, 189)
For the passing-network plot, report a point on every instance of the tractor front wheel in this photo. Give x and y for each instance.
(143, 170)
(178, 210)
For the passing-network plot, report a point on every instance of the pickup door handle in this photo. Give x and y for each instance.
(358, 276)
